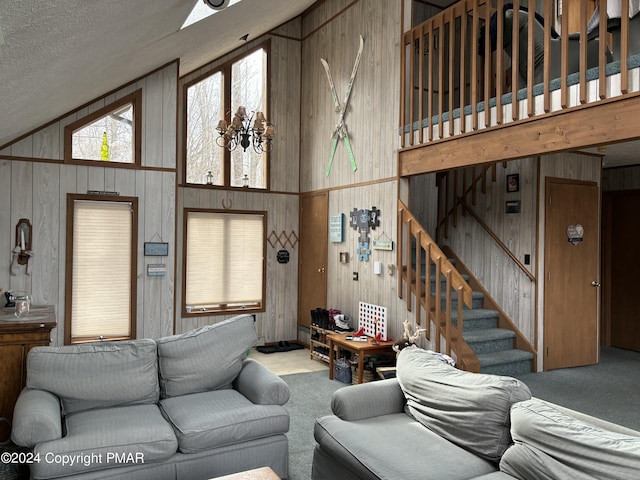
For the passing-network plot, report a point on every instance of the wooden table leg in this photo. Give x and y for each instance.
(330, 358)
(360, 367)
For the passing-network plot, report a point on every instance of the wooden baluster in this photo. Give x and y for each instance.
(438, 302)
(624, 46)
(427, 293)
(474, 68)
(462, 61)
(515, 51)
(399, 251)
(409, 268)
(547, 56)
(447, 324)
(564, 56)
(430, 95)
(500, 73)
(421, 84)
(403, 91)
(602, 54)
(530, 103)
(583, 52)
(418, 274)
(440, 26)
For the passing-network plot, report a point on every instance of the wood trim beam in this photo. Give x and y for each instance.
(584, 126)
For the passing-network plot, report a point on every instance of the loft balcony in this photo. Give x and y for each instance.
(482, 66)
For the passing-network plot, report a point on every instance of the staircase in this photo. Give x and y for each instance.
(475, 330)
(494, 347)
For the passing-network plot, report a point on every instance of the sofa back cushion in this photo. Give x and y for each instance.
(468, 409)
(204, 359)
(96, 375)
(550, 443)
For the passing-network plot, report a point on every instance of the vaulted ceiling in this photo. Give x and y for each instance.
(56, 55)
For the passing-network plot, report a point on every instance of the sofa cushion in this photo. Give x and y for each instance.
(395, 446)
(96, 375)
(204, 359)
(222, 417)
(551, 444)
(469, 409)
(106, 438)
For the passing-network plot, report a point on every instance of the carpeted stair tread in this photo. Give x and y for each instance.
(488, 335)
(503, 357)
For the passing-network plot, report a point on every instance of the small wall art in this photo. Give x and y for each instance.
(512, 206)
(513, 183)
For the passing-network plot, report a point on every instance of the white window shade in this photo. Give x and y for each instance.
(101, 273)
(225, 260)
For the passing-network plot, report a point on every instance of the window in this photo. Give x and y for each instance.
(111, 134)
(209, 99)
(101, 268)
(224, 261)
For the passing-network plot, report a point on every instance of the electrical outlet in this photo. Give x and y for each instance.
(355, 276)
(527, 259)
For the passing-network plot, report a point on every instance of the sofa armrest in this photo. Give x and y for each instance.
(37, 418)
(261, 385)
(357, 402)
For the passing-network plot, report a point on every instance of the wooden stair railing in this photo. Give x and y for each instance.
(410, 270)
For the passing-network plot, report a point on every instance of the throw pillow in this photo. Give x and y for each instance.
(551, 444)
(468, 409)
(204, 359)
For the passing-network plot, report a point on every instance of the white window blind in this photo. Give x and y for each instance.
(225, 260)
(101, 277)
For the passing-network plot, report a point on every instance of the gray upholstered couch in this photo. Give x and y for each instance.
(189, 406)
(434, 421)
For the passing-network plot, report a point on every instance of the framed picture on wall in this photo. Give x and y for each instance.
(513, 183)
(512, 206)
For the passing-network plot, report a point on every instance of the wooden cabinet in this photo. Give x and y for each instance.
(17, 337)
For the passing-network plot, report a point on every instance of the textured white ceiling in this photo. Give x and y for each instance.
(60, 54)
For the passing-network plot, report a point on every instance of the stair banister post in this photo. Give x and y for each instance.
(409, 262)
(447, 313)
(460, 308)
(418, 275)
(438, 301)
(399, 252)
(427, 293)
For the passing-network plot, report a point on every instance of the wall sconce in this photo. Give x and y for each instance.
(22, 252)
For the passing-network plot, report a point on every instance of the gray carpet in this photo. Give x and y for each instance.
(609, 390)
(310, 398)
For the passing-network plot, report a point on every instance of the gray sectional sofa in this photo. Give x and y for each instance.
(189, 406)
(434, 421)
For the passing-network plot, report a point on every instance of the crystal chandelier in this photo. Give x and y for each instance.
(241, 132)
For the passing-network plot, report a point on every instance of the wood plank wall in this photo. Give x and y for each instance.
(34, 184)
(621, 178)
(506, 283)
(331, 31)
(372, 116)
(279, 321)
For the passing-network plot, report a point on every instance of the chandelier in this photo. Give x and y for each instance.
(241, 132)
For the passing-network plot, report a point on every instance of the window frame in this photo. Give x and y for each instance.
(133, 299)
(223, 310)
(225, 69)
(135, 99)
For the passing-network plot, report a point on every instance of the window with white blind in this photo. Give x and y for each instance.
(101, 271)
(224, 261)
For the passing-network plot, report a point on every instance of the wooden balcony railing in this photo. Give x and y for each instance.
(456, 78)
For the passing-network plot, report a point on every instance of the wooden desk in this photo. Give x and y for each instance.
(17, 337)
(264, 473)
(359, 348)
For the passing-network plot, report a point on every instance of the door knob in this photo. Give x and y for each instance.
(595, 284)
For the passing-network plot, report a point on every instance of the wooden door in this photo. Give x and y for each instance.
(312, 271)
(622, 230)
(571, 293)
